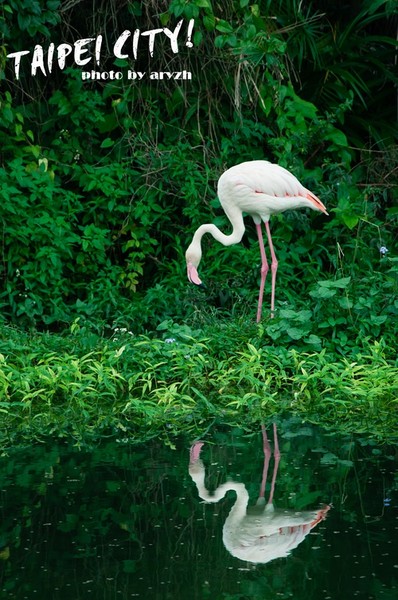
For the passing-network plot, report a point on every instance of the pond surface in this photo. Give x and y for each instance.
(130, 521)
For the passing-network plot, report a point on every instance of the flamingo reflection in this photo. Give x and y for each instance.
(258, 533)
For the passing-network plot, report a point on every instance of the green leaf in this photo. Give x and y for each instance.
(164, 18)
(323, 293)
(392, 211)
(107, 143)
(350, 220)
(53, 4)
(335, 283)
(306, 109)
(121, 62)
(337, 137)
(303, 316)
(209, 21)
(224, 26)
(378, 319)
(197, 38)
(346, 303)
(314, 340)
(24, 21)
(295, 333)
(219, 41)
(231, 40)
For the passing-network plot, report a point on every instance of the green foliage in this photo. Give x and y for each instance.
(58, 257)
(339, 55)
(30, 16)
(111, 179)
(103, 184)
(64, 386)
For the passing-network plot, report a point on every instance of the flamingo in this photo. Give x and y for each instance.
(260, 533)
(260, 189)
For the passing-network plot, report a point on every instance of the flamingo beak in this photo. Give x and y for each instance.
(193, 274)
(321, 207)
(317, 203)
(194, 453)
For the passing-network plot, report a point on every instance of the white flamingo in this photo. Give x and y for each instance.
(260, 189)
(262, 532)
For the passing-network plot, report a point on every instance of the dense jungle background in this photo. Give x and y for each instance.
(104, 182)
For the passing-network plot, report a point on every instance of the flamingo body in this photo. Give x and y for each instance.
(260, 189)
(262, 532)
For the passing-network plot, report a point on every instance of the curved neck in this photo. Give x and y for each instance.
(227, 240)
(193, 254)
(197, 473)
(242, 496)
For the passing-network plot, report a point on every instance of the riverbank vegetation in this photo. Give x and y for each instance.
(82, 387)
(104, 182)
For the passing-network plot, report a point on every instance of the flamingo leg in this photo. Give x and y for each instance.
(277, 457)
(274, 267)
(264, 270)
(267, 457)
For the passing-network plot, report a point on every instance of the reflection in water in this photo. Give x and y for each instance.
(262, 532)
(121, 520)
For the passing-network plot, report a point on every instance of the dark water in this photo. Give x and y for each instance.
(126, 521)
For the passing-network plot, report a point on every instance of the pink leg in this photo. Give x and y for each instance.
(264, 270)
(277, 457)
(274, 267)
(267, 457)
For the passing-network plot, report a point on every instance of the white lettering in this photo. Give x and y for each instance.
(152, 33)
(117, 48)
(83, 54)
(38, 60)
(17, 63)
(173, 35)
(79, 51)
(63, 51)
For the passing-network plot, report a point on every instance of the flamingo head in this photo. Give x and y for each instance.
(192, 257)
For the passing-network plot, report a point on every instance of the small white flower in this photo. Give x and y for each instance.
(170, 340)
(383, 250)
(122, 330)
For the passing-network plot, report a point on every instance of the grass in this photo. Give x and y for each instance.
(82, 386)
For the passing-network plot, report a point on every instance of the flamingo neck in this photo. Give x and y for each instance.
(227, 240)
(238, 510)
(197, 473)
